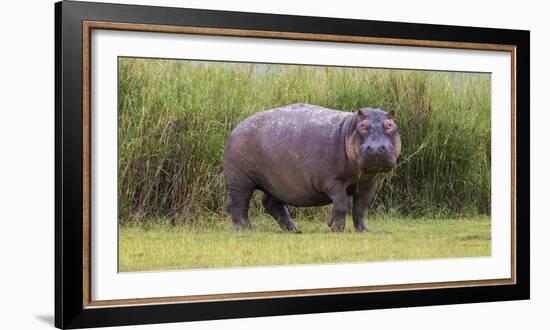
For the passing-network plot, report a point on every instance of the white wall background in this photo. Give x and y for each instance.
(27, 163)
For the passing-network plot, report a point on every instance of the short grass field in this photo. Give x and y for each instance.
(214, 244)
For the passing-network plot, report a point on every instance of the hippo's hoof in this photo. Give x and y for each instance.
(296, 231)
(337, 226)
(362, 228)
(293, 230)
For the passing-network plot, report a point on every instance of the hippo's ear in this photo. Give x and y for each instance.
(391, 114)
(361, 115)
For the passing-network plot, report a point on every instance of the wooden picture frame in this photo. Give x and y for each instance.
(75, 21)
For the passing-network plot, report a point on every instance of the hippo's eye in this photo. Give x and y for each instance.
(389, 125)
(363, 127)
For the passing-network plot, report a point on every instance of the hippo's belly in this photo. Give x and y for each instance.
(293, 189)
(318, 199)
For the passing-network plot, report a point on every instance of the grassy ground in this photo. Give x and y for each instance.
(213, 243)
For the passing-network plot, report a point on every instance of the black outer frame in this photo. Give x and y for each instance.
(69, 309)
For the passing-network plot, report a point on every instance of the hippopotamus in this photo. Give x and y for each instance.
(307, 155)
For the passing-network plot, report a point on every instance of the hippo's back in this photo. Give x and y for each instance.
(293, 117)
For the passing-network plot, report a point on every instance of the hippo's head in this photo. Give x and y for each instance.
(379, 144)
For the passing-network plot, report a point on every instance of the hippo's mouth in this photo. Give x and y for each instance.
(377, 164)
(377, 169)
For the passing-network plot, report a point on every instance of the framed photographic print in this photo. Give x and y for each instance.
(214, 164)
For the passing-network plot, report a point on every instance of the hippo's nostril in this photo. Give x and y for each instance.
(369, 148)
(382, 147)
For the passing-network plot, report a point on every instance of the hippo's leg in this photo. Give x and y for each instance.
(339, 197)
(238, 200)
(279, 212)
(361, 200)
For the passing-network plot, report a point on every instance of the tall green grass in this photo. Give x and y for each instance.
(175, 117)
